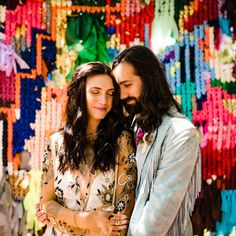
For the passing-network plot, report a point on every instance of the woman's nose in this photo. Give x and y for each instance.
(103, 99)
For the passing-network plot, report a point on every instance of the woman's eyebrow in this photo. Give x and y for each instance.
(101, 88)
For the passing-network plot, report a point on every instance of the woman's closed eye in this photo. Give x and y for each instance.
(94, 92)
(111, 93)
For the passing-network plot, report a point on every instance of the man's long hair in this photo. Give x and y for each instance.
(156, 97)
(74, 130)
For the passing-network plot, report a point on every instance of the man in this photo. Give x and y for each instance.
(168, 156)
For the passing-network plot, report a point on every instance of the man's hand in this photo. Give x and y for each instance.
(41, 215)
(119, 222)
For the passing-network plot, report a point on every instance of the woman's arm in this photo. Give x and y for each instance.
(126, 177)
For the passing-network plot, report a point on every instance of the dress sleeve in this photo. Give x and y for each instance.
(61, 217)
(126, 176)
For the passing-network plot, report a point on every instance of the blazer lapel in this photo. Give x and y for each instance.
(152, 150)
(142, 153)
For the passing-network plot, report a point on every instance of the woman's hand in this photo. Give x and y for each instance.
(119, 222)
(41, 215)
(96, 221)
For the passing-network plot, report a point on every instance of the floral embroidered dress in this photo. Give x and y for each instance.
(62, 195)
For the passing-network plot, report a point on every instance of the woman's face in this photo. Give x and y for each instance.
(99, 96)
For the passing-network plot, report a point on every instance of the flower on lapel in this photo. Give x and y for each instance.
(144, 137)
(147, 139)
(139, 136)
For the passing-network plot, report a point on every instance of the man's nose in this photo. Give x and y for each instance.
(123, 94)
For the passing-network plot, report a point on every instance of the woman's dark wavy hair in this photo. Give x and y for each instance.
(156, 97)
(74, 130)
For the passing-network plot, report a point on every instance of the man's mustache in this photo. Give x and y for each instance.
(132, 108)
(129, 99)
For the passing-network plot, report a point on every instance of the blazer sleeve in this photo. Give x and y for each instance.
(126, 176)
(176, 166)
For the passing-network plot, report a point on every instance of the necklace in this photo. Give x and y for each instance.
(86, 175)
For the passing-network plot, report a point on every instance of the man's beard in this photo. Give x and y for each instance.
(133, 108)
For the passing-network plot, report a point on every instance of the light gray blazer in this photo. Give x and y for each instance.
(168, 180)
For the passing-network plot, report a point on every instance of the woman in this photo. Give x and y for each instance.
(89, 169)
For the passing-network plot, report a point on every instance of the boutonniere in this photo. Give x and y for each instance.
(144, 138)
(139, 136)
